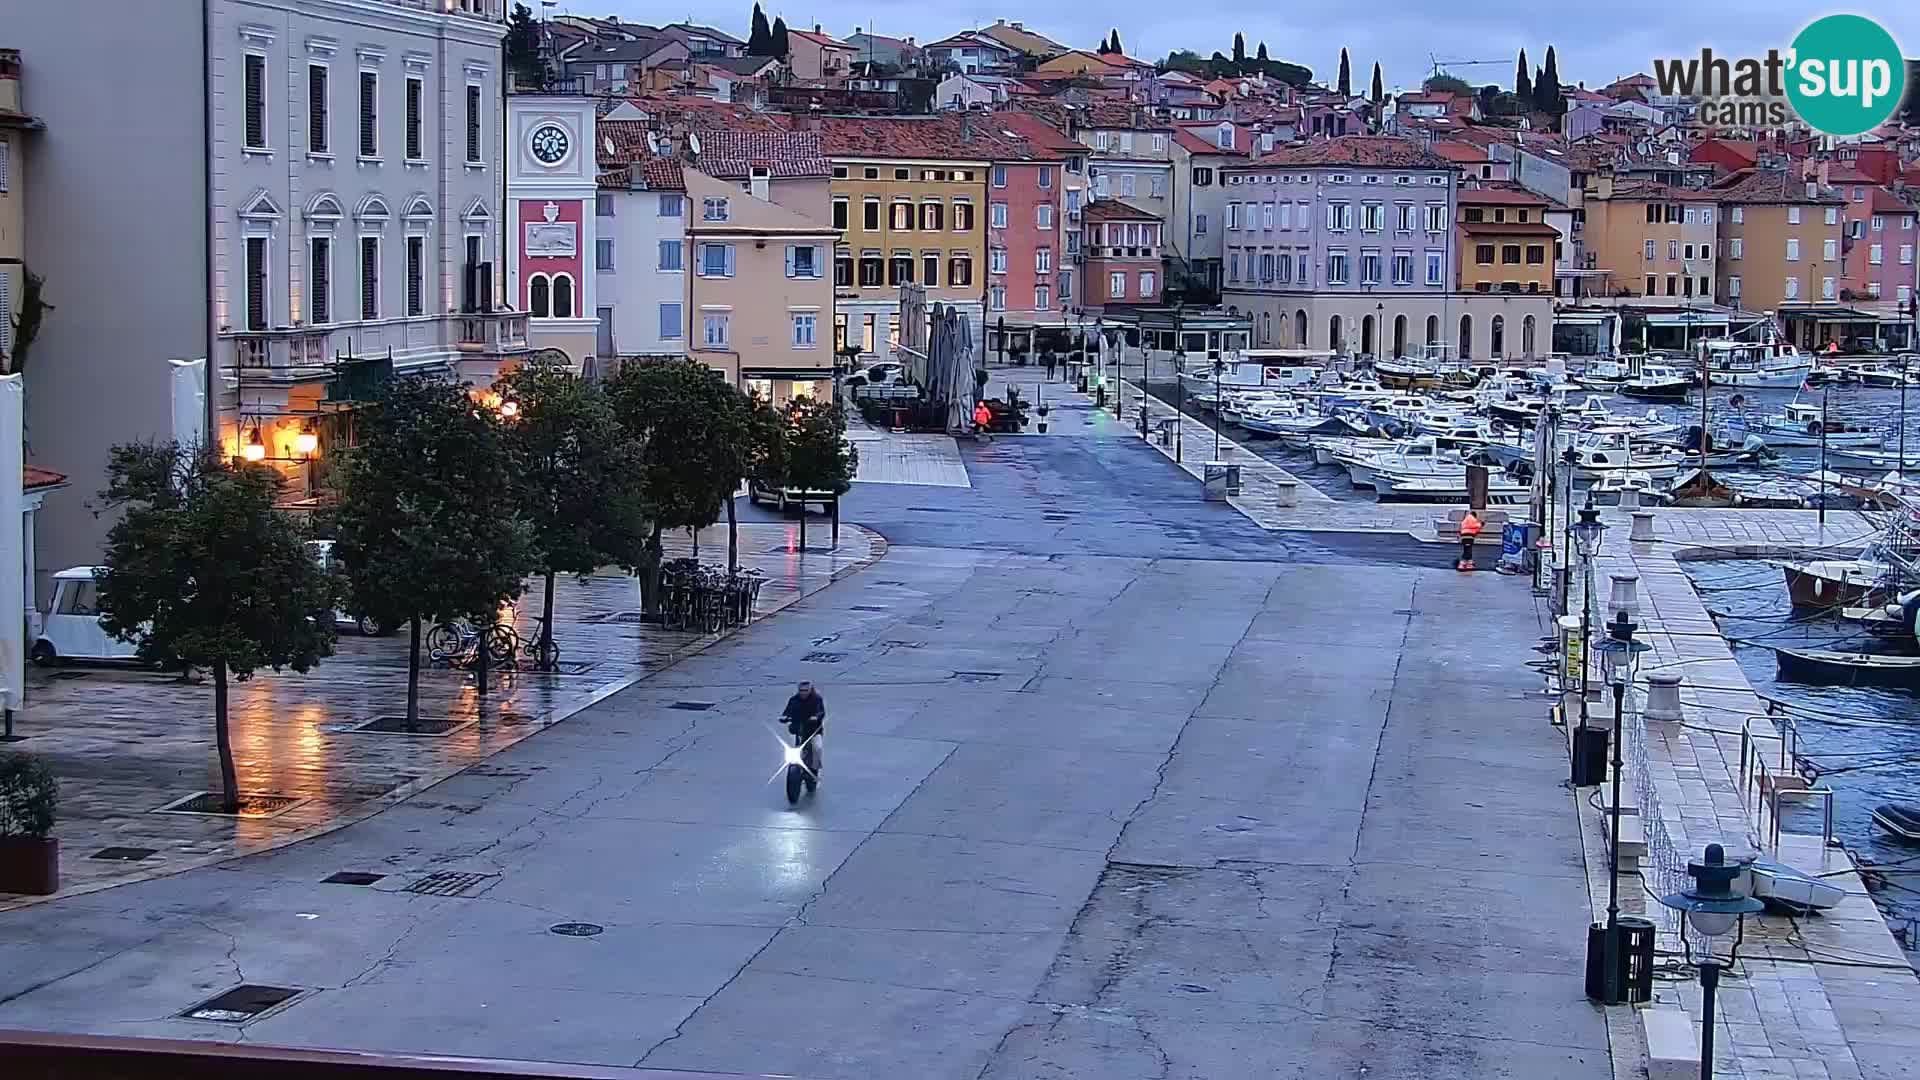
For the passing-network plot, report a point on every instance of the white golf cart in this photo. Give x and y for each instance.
(73, 630)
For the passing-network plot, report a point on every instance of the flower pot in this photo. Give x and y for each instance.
(1043, 427)
(30, 865)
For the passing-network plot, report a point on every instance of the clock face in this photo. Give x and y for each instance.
(549, 144)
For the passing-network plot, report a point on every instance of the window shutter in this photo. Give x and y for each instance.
(369, 277)
(256, 103)
(6, 314)
(317, 109)
(414, 90)
(369, 114)
(5, 149)
(473, 123)
(319, 274)
(729, 264)
(790, 251)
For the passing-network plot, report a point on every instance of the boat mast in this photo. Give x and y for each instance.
(1706, 388)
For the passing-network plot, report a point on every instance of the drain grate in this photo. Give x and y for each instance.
(1406, 611)
(576, 929)
(823, 657)
(352, 877)
(449, 883)
(122, 854)
(242, 1003)
(211, 803)
(691, 706)
(888, 581)
(428, 726)
(868, 607)
(976, 676)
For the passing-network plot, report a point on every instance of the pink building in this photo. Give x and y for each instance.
(1030, 278)
(1123, 256)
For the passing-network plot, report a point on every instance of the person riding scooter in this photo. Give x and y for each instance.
(806, 717)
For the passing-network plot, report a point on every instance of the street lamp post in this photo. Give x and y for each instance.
(1714, 911)
(1588, 533)
(1219, 365)
(1621, 657)
(1180, 399)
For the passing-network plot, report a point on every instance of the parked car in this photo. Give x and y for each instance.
(784, 498)
(887, 374)
(322, 552)
(73, 630)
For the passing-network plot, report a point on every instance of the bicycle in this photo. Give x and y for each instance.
(541, 648)
(457, 644)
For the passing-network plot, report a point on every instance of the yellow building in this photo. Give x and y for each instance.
(1651, 239)
(14, 126)
(758, 302)
(1780, 238)
(910, 207)
(1505, 242)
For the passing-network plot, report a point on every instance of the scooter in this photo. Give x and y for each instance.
(802, 764)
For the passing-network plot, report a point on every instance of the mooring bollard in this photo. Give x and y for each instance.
(1624, 596)
(1629, 499)
(1663, 697)
(1286, 493)
(1642, 525)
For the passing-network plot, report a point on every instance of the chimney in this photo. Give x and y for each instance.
(1825, 174)
(966, 125)
(856, 31)
(910, 39)
(816, 28)
(758, 180)
(1002, 22)
(1019, 25)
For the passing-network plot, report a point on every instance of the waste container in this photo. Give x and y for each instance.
(1213, 481)
(1233, 479)
(1633, 964)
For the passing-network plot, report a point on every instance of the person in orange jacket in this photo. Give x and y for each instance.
(1469, 531)
(982, 417)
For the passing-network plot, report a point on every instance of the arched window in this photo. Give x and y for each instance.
(1433, 330)
(1466, 337)
(1300, 328)
(1266, 328)
(563, 296)
(1399, 336)
(1526, 337)
(1499, 347)
(537, 297)
(1366, 335)
(1334, 340)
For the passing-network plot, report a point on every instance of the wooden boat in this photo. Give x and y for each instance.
(1900, 819)
(1834, 583)
(1830, 667)
(1699, 489)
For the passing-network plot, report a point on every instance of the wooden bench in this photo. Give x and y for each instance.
(1491, 524)
(1673, 1051)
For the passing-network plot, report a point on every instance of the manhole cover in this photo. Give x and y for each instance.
(824, 657)
(691, 706)
(210, 802)
(576, 929)
(449, 883)
(352, 877)
(430, 726)
(976, 676)
(122, 854)
(242, 1003)
(868, 607)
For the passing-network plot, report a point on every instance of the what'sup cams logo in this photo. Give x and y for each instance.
(1843, 75)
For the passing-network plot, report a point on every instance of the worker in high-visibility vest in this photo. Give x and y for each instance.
(1469, 531)
(982, 417)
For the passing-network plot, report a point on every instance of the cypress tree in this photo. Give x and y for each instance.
(1239, 48)
(1116, 43)
(1522, 86)
(1547, 89)
(759, 38)
(1262, 54)
(1346, 76)
(779, 46)
(1379, 94)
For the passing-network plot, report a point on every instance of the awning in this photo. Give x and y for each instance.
(1828, 314)
(796, 374)
(1698, 318)
(1584, 318)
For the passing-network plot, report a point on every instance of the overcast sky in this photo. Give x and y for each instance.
(1594, 42)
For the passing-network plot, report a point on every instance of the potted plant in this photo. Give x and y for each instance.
(29, 858)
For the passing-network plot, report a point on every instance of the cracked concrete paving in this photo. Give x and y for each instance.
(1213, 803)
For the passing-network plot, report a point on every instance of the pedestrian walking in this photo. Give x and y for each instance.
(1049, 360)
(1469, 531)
(982, 418)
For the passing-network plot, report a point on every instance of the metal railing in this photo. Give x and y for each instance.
(35, 1055)
(1763, 786)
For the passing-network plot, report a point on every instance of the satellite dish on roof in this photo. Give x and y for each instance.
(608, 143)
(653, 144)
(693, 143)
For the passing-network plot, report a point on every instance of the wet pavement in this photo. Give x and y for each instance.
(1116, 784)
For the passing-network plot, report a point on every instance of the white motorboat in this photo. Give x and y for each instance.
(1605, 372)
(1884, 375)
(1451, 487)
(1799, 424)
(1774, 364)
(1608, 489)
(1869, 461)
(1606, 452)
(1328, 448)
(1421, 457)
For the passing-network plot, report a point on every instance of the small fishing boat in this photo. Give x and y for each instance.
(1834, 583)
(1608, 489)
(1834, 668)
(1657, 383)
(1900, 819)
(1869, 461)
(1774, 364)
(1448, 488)
(1800, 424)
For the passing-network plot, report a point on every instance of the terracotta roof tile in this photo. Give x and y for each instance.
(1115, 210)
(32, 476)
(1500, 195)
(1883, 201)
(1380, 150)
(1776, 186)
(731, 155)
(943, 137)
(1200, 138)
(1465, 153)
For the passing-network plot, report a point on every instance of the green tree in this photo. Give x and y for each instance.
(202, 570)
(1522, 86)
(780, 46)
(1262, 54)
(1239, 48)
(1378, 94)
(1546, 89)
(683, 414)
(759, 35)
(817, 454)
(1443, 83)
(1186, 60)
(1346, 76)
(582, 501)
(26, 324)
(429, 523)
(523, 49)
(1113, 44)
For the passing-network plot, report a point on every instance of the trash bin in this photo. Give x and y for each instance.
(1213, 481)
(1636, 951)
(1233, 479)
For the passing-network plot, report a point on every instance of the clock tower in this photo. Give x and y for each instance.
(551, 183)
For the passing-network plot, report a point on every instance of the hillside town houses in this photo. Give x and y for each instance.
(388, 186)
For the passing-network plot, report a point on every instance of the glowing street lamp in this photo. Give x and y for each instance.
(1620, 658)
(255, 450)
(1714, 911)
